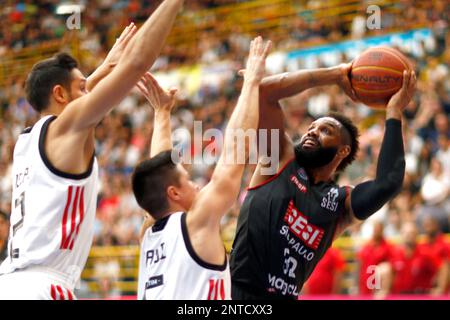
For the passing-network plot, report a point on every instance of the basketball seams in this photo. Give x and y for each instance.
(376, 91)
(378, 67)
(394, 54)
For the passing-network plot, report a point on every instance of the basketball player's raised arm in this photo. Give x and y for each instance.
(219, 195)
(272, 90)
(284, 85)
(112, 58)
(368, 197)
(86, 112)
(162, 101)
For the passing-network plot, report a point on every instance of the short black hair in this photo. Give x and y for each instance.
(351, 135)
(150, 180)
(45, 75)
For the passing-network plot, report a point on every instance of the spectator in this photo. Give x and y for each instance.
(413, 266)
(439, 250)
(376, 252)
(327, 276)
(4, 231)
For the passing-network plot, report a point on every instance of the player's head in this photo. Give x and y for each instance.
(161, 186)
(54, 81)
(378, 231)
(409, 234)
(333, 138)
(431, 226)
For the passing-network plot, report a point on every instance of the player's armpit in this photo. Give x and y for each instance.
(348, 218)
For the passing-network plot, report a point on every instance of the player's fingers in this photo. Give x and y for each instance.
(130, 34)
(241, 72)
(142, 88)
(405, 83)
(413, 81)
(252, 47)
(256, 45)
(267, 49)
(153, 81)
(259, 45)
(173, 91)
(124, 32)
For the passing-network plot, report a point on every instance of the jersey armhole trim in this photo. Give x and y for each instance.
(49, 165)
(341, 217)
(27, 130)
(271, 178)
(193, 254)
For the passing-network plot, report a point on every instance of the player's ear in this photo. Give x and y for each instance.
(60, 94)
(344, 151)
(173, 194)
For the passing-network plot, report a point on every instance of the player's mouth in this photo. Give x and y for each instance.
(310, 143)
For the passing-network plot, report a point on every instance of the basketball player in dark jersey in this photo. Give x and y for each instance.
(289, 220)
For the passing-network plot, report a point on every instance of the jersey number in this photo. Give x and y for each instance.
(289, 264)
(19, 202)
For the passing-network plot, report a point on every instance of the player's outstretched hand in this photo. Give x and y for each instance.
(256, 62)
(344, 80)
(401, 98)
(158, 98)
(121, 43)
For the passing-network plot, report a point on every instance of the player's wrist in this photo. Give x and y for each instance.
(393, 113)
(251, 81)
(335, 74)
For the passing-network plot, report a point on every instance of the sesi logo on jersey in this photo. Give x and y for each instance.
(330, 202)
(299, 226)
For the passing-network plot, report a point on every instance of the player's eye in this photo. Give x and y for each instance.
(326, 130)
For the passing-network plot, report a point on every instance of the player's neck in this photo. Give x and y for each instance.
(173, 208)
(322, 174)
(53, 109)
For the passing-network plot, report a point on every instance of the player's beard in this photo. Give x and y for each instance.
(314, 158)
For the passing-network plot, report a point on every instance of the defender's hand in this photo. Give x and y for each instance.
(158, 98)
(121, 43)
(256, 62)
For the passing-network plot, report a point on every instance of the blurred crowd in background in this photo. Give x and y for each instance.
(123, 137)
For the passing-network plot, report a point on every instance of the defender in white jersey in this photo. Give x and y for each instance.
(54, 169)
(178, 273)
(182, 254)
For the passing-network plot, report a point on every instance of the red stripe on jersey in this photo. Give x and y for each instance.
(53, 292)
(64, 221)
(216, 289)
(81, 206)
(211, 288)
(61, 293)
(73, 218)
(222, 290)
(69, 294)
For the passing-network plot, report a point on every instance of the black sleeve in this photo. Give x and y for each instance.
(368, 197)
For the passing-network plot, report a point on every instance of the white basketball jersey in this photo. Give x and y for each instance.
(52, 212)
(170, 269)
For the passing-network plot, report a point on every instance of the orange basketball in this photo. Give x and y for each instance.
(377, 74)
